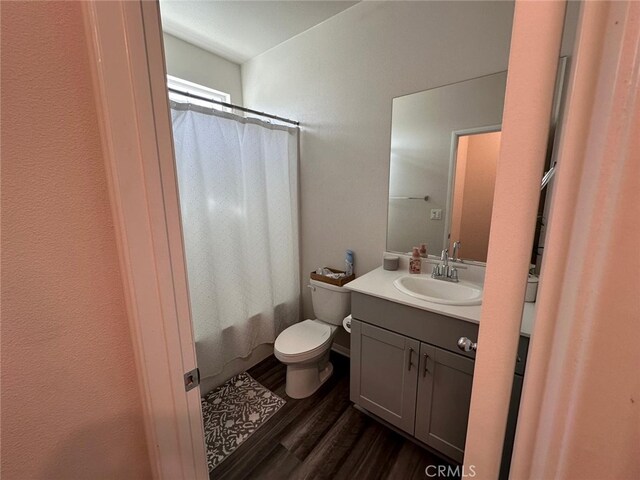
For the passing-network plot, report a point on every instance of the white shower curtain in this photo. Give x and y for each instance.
(238, 185)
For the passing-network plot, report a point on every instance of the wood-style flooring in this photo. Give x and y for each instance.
(322, 436)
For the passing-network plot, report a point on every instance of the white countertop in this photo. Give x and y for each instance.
(379, 283)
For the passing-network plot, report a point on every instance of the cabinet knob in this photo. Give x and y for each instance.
(466, 345)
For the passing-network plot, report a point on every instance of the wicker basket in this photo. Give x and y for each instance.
(333, 281)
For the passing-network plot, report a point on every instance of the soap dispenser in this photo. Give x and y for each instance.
(415, 263)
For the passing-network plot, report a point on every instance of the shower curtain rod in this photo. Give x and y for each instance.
(235, 107)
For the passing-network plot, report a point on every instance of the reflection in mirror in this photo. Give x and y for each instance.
(473, 185)
(444, 148)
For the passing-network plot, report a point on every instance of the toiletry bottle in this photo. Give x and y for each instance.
(349, 262)
(423, 250)
(415, 263)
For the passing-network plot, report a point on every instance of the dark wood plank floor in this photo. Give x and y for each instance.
(322, 436)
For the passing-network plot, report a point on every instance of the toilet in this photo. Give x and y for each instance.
(304, 347)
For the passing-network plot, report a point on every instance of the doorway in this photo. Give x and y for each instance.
(473, 186)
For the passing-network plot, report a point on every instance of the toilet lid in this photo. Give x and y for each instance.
(302, 337)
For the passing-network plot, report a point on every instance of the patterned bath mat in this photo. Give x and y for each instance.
(234, 411)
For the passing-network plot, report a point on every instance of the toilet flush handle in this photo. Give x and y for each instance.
(312, 287)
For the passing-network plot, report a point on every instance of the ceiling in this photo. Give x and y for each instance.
(239, 30)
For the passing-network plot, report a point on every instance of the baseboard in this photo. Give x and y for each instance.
(339, 349)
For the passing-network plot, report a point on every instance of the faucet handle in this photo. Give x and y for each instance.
(444, 255)
(453, 274)
(436, 271)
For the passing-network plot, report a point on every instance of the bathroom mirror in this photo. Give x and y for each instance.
(444, 147)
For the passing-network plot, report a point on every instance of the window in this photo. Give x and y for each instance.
(195, 89)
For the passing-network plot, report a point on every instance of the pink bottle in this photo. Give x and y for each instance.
(415, 263)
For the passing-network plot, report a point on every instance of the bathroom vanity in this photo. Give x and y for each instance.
(407, 368)
(413, 336)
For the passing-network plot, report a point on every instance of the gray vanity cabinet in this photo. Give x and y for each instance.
(444, 395)
(384, 377)
(407, 369)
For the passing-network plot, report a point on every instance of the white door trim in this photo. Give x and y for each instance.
(128, 67)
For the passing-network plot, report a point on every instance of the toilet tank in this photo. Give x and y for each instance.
(330, 302)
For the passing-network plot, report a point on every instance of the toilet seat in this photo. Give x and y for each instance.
(303, 340)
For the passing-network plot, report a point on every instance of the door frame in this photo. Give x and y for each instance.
(127, 58)
(533, 63)
(126, 49)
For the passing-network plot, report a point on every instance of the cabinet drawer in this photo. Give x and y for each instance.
(429, 327)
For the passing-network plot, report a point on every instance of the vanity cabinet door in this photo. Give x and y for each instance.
(444, 396)
(384, 374)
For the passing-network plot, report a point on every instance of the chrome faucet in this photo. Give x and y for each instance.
(443, 271)
(456, 251)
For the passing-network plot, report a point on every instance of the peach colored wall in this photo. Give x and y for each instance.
(70, 401)
(479, 183)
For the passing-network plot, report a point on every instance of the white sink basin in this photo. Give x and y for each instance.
(438, 291)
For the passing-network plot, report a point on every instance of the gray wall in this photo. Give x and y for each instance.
(339, 79)
(192, 63)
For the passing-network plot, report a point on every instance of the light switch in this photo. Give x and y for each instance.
(436, 214)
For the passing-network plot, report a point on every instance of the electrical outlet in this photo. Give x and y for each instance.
(436, 214)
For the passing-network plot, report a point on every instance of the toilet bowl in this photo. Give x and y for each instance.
(304, 347)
